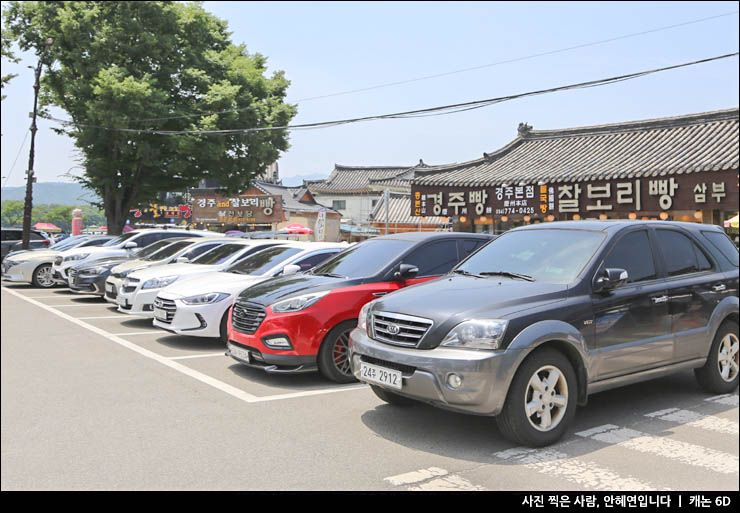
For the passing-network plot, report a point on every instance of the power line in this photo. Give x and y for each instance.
(430, 111)
(464, 70)
(16, 160)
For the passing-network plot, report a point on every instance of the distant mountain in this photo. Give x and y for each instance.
(61, 193)
(295, 181)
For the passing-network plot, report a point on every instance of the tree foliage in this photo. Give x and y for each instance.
(9, 56)
(119, 63)
(60, 215)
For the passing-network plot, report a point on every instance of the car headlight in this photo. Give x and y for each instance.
(158, 283)
(80, 256)
(298, 303)
(362, 317)
(477, 334)
(202, 299)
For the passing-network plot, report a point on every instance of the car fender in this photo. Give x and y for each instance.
(722, 312)
(566, 336)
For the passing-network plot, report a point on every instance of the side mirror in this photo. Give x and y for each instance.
(610, 279)
(182, 260)
(290, 269)
(405, 272)
(130, 245)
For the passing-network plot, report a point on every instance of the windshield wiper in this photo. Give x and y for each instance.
(507, 273)
(330, 275)
(466, 273)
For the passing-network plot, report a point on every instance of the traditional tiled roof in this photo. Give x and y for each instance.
(356, 179)
(399, 212)
(682, 144)
(291, 198)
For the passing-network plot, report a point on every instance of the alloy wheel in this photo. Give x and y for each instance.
(44, 276)
(340, 354)
(727, 357)
(546, 398)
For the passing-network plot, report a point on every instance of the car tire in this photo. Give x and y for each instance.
(391, 398)
(333, 360)
(532, 382)
(721, 360)
(224, 328)
(43, 277)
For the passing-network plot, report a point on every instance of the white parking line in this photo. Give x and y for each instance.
(697, 420)
(199, 376)
(65, 306)
(728, 399)
(683, 452)
(555, 463)
(437, 480)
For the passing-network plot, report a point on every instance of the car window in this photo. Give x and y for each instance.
(199, 250)
(37, 236)
(549, 255)
(262, 261)
(469, 246)
(121, 239)
(435, 258)
(634, 254)
(723, 243)
(99, 241)
(312, 260)
(364, 259)
(166, 251)
(680, 254)
(150, 249)
(219, 254)
(12, 235)
(253, 250)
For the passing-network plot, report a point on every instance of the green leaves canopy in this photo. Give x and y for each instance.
(154, 65)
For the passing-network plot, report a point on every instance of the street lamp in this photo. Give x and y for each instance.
(28, 205)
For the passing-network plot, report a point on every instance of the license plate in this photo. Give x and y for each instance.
(381, 375)
(109, 288)
(160, 315)
(122, 301)
(239, 353)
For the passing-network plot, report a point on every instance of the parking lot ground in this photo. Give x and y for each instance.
(96, 399)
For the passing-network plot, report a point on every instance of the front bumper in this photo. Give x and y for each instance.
(193, 320)
(138, 302)
(485, 374)
(19, 272)
(273, 363)
(86, 284)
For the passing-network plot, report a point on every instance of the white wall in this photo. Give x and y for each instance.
(357, 207)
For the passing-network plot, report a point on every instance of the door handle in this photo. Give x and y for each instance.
(718, 288)
(658, 300)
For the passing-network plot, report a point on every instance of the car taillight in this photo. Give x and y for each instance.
(45, 242)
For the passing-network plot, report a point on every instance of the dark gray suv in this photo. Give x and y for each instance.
(530, 325)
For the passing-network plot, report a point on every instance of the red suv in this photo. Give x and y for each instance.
(301, 323)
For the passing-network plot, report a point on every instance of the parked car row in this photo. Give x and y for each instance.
(522, 327)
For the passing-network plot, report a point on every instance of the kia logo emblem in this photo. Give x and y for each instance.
(393, 329)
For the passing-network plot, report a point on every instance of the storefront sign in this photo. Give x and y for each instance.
(262, 209)
(155, 210)
(694, 191)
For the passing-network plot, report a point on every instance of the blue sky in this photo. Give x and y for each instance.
(331, 47)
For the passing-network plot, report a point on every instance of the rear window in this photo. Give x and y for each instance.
(723, 243)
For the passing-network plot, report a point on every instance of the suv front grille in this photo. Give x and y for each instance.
(168, 306)
(406, 370)
(398, 329)
(247, 317)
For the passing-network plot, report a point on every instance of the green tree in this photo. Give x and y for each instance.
(12, 213)
(7, 54)
(117, 64)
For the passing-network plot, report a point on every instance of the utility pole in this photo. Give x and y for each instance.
(30, 178)
(386, 200)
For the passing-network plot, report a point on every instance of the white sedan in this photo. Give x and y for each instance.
(199, 306)
(138, 290)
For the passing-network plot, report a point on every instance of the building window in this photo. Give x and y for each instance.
(339, 204)
(374, 202)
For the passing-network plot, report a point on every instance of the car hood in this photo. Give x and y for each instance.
(134, 264)
(159, 271)
(274, 290)
(95, 250)
(451, 300)
(46, 254)
(229, 283)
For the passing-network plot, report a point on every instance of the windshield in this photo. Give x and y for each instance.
(261, 262)
(165, 251)
(69, 243)
(364, 259)
(555, 256)
(120, 239)
(152, 248)
(219, 254)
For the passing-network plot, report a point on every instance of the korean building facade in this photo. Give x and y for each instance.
(682, 168)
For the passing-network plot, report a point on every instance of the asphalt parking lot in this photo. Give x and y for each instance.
(95, 399)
